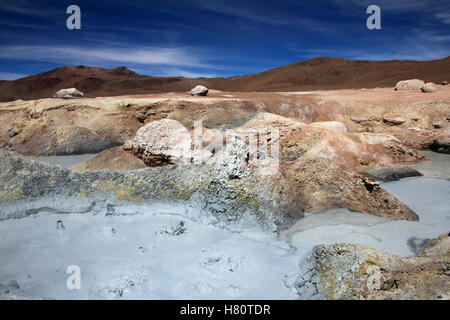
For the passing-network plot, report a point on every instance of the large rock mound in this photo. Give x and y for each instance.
(201, 191)
(318, 165)
(41, 139)
(345, 271)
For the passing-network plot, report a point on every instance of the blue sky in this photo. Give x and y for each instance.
(212, 38)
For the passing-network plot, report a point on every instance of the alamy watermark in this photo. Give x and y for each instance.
(374, 20)
(74, 20)
(73, 282)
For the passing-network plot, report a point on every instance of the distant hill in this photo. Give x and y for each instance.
(313, 74)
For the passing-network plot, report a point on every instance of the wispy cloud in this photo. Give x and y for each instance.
(431, 36)
(260, 12)
(28, 8)
(443, 17)
(240, 11)
(11, 76)
(409, 51)
(174, 72)
(184, 57)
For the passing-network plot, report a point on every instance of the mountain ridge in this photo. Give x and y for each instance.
(320, 73)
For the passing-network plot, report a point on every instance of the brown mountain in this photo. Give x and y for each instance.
(313, 74)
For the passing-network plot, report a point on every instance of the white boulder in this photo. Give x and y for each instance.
(164, 139)
(412, 84)
(430, 87)
(68, 93)
(199, 91)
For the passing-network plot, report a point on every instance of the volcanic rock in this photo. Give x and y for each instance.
(392, 173)
(429, 88)
(68, 94)
(394, 121)
(441, 146)
(199, 91)
(345, 271)
(163, 142)
(412, 84)
(12, 133)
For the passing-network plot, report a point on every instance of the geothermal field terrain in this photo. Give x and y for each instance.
(327, 187)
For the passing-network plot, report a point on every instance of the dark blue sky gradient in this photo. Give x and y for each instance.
(215, 38)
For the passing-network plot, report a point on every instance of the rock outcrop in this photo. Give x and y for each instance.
(201, 191)
(441, 145)
(162, 142)
(392, 173)
(68, 94)
(40, 139)
(394, 121)
(312, 169)
(318, 165)
(346, 271)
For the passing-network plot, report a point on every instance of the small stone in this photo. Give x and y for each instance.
(60, 225)
(142, 249)
(13, 284)
(360, 120)
(444, 83)
(125, 103)
(394, 121)
(437, 125)
(12, 133)
(415, 129)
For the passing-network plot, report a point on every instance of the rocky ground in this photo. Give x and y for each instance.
(321, 148)
(344, 271)
(59, 126)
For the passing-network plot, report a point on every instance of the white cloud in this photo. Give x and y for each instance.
(25, 7)
(185, 57)
(175, 72)
(11, 76)
(444, 17)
